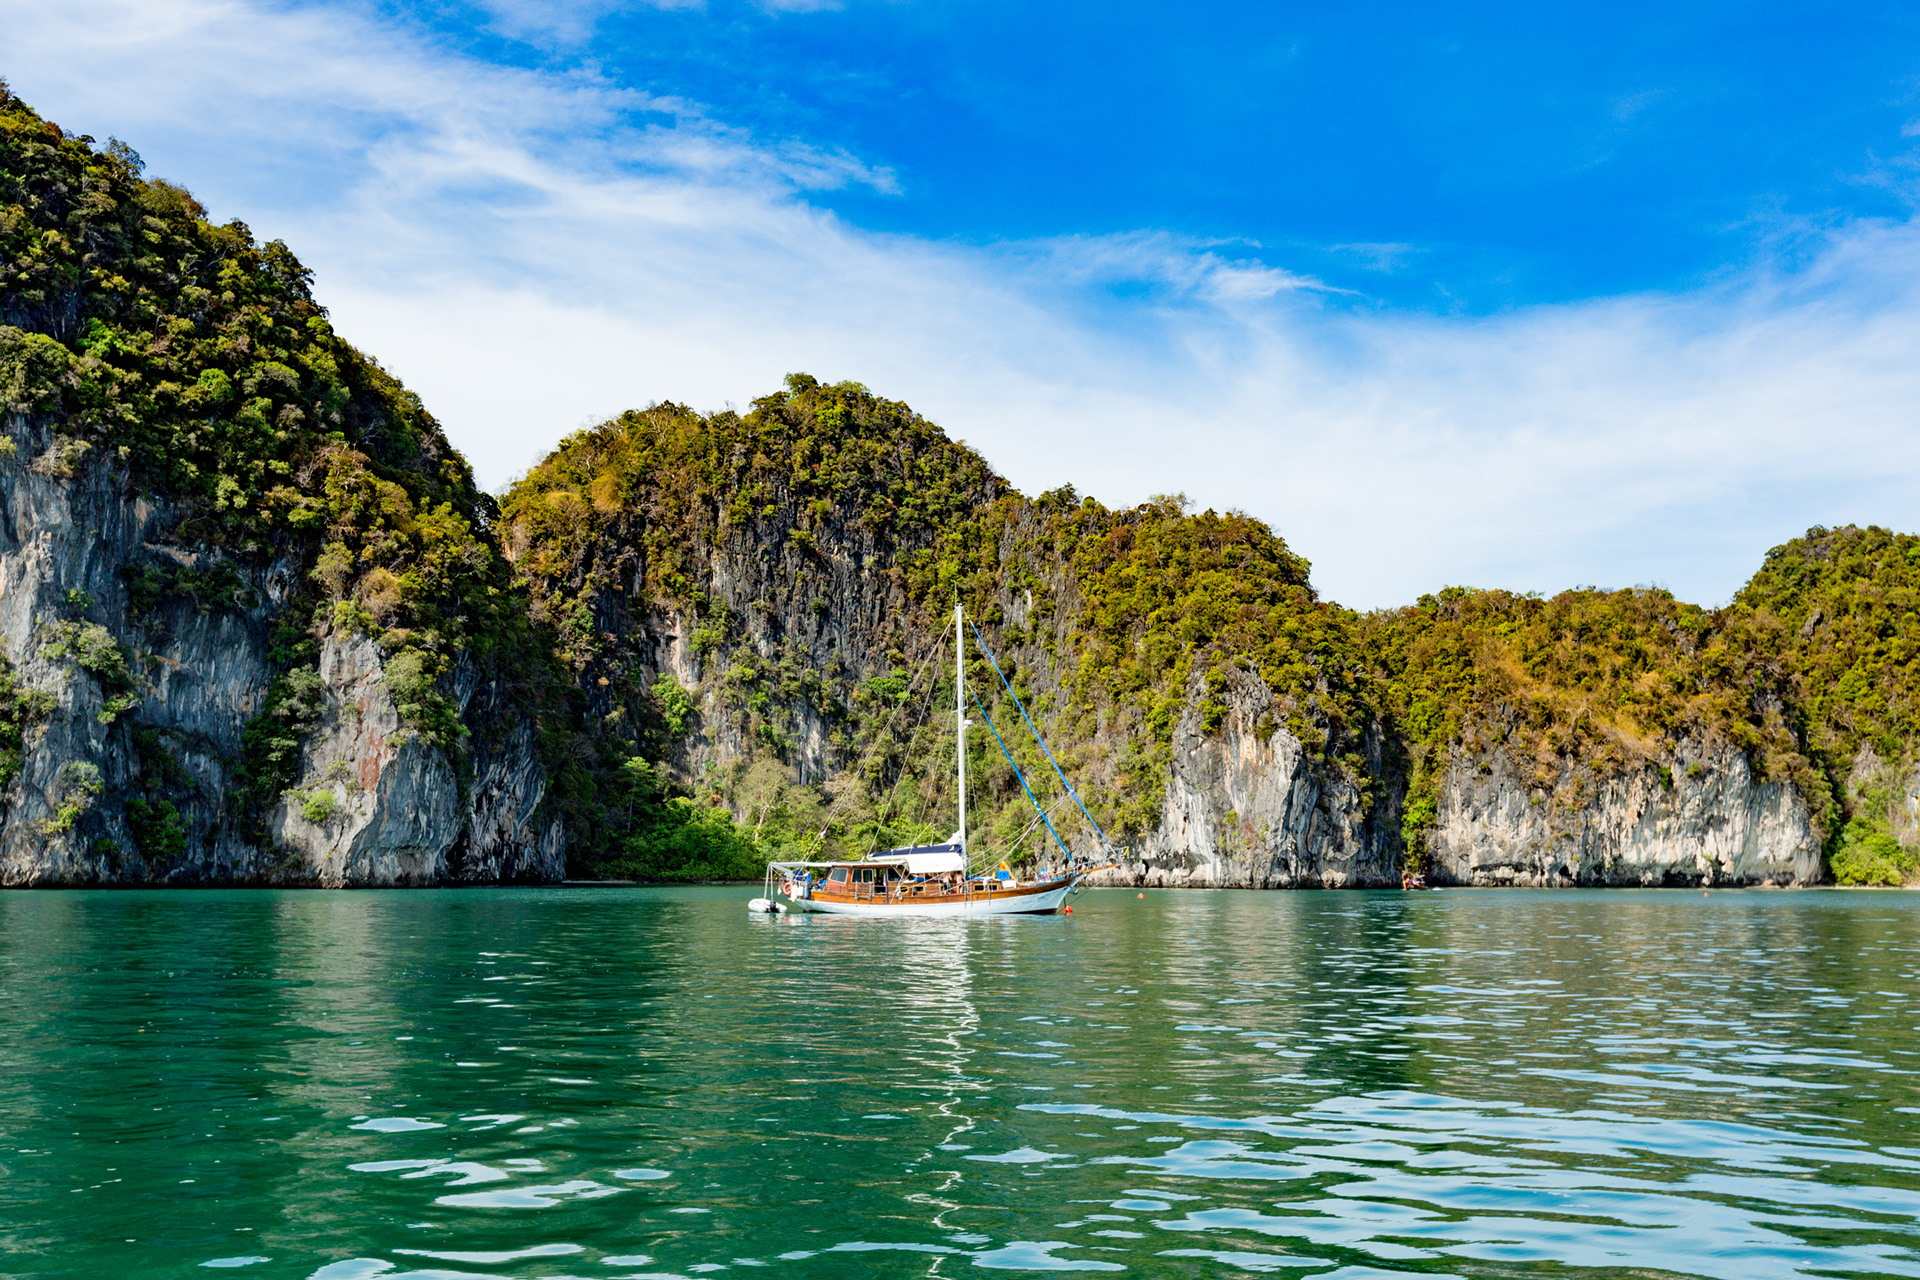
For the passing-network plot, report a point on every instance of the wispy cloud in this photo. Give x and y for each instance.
(535, 250)
(1374, 255)
(562, 23)
(1628, 105)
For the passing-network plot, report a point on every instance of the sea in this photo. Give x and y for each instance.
(655, 1083)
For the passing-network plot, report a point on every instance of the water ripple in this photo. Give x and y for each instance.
(1345, 1086)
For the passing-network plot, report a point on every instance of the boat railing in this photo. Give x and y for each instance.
(971, 887)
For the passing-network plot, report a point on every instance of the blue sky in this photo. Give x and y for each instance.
(1427, 156)
(1520, 296)
(1433, 156)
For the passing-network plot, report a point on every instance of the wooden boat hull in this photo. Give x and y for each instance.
(1040, 900)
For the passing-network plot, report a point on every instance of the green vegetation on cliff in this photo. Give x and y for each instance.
(625, 530)
(1162, 603)
(1117, 625)
(734, 625)
(137, 334)
(1577, 686)
(1811, 671)
(621, 523)
(1848, 604)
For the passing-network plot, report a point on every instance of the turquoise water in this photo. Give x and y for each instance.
(620, 1083)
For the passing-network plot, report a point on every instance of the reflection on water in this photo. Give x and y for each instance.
(654, 1083)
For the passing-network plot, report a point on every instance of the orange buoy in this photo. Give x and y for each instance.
(1139, 895)
(1069, 910)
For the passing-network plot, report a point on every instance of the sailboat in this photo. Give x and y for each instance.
(935, 879)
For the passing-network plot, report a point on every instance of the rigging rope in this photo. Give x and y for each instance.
(935, 774)
(925, 666)
(873, 744)
(1008, 849)
(988, 721)
(982, 642)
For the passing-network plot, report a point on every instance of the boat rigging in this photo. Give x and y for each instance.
(938, 879)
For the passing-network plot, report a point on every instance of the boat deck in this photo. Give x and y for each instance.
(928, 892)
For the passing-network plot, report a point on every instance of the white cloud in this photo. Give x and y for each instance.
(535, 251)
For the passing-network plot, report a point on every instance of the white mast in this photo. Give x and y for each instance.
(960, 714)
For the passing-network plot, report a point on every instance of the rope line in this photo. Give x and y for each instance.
(982, 642)
(988, 721)
(926, 706)
(1007, 849)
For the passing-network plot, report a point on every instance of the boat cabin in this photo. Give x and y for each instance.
(922, 871)
(842, 876)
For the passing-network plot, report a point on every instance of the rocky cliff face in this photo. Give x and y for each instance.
(122, 707)
(1245, 810)
(1241, 812)
(760, 564)
(1706, 821)
(378, 806)
(253, 622)
(1246, 805)
(824, 617)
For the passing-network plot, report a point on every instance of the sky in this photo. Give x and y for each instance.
(1522, 296)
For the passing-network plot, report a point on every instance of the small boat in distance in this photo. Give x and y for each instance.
(933, 879)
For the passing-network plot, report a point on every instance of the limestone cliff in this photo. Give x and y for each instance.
(127, 704)
(812, 639)
(1243, 813)
(788, 574)
(1703, 820)
(1251, 810)
(258, 625)
(254, 624)
(377, 805)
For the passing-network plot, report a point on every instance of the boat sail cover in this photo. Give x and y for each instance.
(926, 859)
